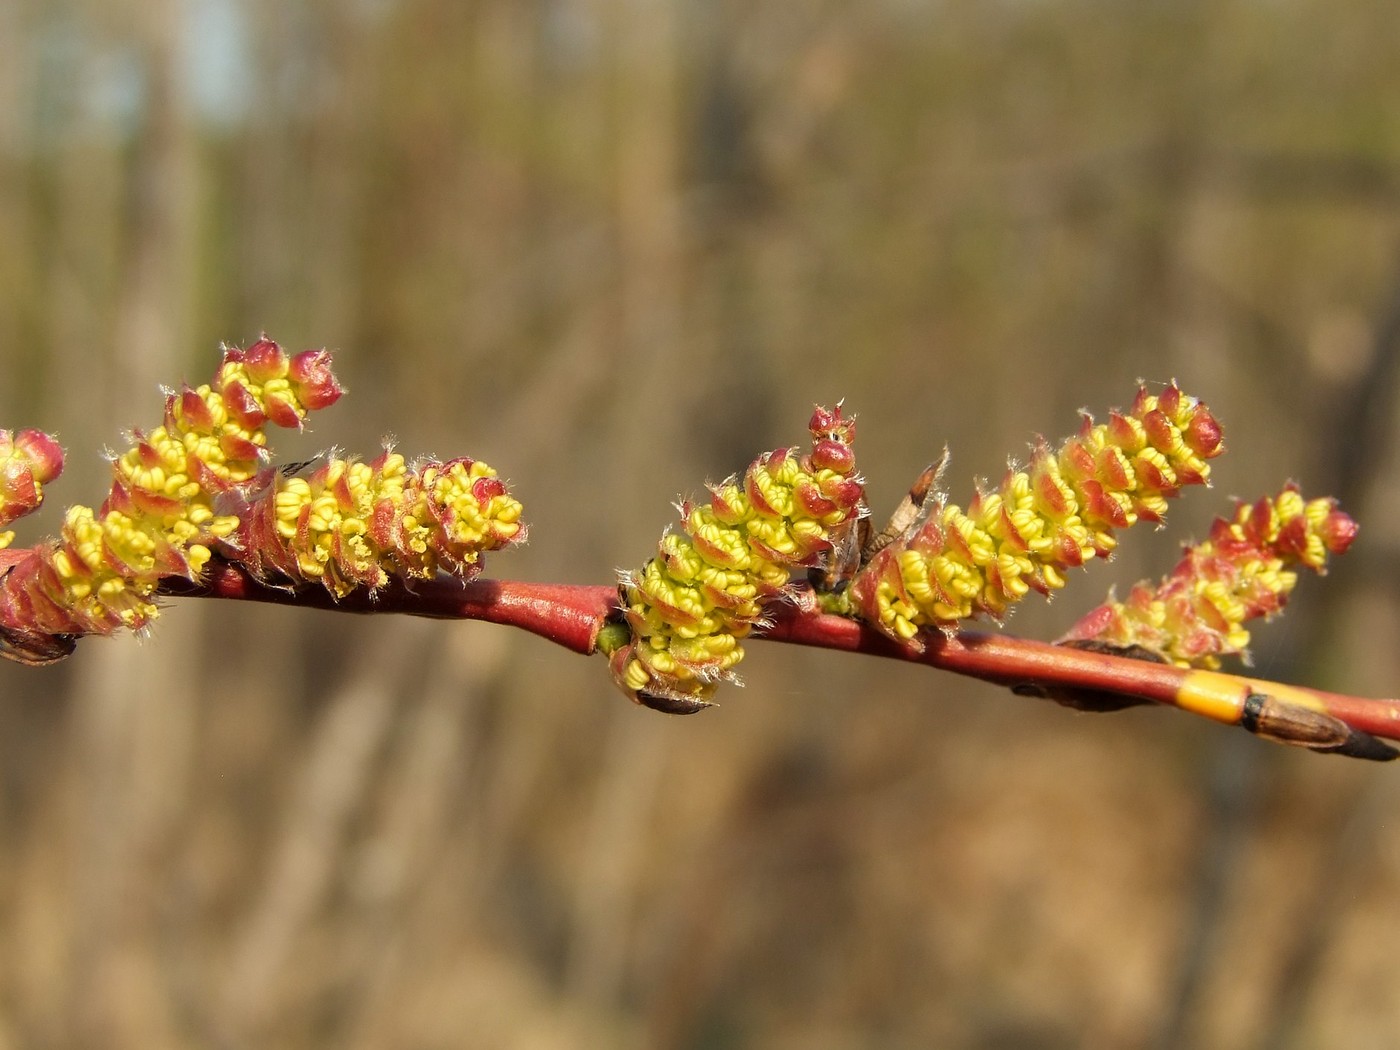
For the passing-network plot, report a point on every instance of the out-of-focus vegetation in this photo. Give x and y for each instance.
(614, 248)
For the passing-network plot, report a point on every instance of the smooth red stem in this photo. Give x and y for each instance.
(571, 615)
(999, 658)
(1009, 660)
(567, 614)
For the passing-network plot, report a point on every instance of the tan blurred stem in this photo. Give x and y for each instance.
(572, 615)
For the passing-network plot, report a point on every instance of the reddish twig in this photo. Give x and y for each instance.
(567, 614)
(572, 615)
(1088, 679)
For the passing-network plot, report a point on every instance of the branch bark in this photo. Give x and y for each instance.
(572, 615)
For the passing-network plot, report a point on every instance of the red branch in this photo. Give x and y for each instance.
(1011, 661)
(567, 614)
(571, 615)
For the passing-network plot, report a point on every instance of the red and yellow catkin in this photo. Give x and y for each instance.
(29, 460)
(1246, 569)
(164, 507)
(200, 481)
(348, 524)
(690, 606)
(1059, 512)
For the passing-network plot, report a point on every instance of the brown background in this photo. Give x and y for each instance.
(614, 248)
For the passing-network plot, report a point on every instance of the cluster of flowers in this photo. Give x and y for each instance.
(161, 514)
(29, 460)
(1245, 569)
(690, 606)
(1058, 513)
(351, 525)
(201, 481)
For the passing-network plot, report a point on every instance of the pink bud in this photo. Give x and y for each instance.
(1097, 623)
(1139, 402)
(846, 493)
(120, 499)
(1160, 430)
(810, 498)
(1121, 432)
(242, 406)
(486, 489)
(927, 540)
(194, 412)
(203, 475)
(282, 412)
(822, 419)
(1075, 458)
(264, 360)
(1146, 513)
(1293, 538)
(1186, 476)
(1068, 551)
(828, 423)
(386, 525)
(316, 384)
(1051, 496)
(1260, 519)
(1015, 539)
(766, 552)
(171, 561)
(1112, 467)
(146, 453)
(720, 598)
(152, 504)
(1153, 478)
(1338, 531)
(1169, 400)
(18, 493)
(1097, 506)
(237, 447)
(340, 489)
(321, 470)
(43, 453)
(828, 454)
(864, 589)
(1204, 434)
(756, 498)
(725, 510)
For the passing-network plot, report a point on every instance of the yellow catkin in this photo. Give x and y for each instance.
(164, 510)
(690, 606)
(1246, 569)
(1057, 513)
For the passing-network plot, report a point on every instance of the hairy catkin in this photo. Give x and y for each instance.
(1058, 513)
(690, 606)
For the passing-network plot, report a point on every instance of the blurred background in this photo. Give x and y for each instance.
(616, 247)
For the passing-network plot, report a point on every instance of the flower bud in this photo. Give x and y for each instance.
(264, 361)
(43, 453)
(167, 502)
(689, 607)
(1058, 513)
(28, 460)
(313, 380)
(1196, 614)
